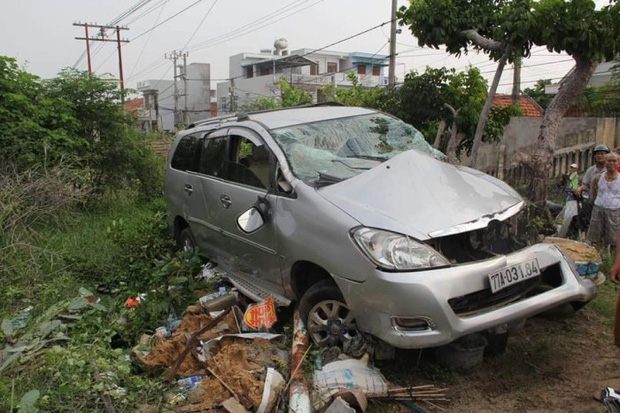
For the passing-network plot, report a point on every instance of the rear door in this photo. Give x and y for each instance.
(203, 204)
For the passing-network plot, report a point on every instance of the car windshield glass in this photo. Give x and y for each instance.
(342, 148)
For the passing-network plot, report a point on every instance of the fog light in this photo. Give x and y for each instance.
(420, 323)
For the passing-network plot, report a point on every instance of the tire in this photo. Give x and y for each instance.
(187, 242)
(326, 315)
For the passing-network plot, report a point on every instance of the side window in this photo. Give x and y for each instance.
(213, 157)
(185, 155)
(250, 163)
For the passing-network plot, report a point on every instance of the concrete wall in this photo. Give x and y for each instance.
(165, 99)
(575, 135)
(198, 91)
(246, 91)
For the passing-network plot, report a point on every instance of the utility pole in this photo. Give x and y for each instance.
(516, 80)
(102, 37)
(185, 91)
(231, 90)
(392, 69)
(174, 57)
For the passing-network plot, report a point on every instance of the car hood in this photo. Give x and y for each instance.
(422, 197)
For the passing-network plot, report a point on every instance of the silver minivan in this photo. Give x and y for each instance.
(351, 213)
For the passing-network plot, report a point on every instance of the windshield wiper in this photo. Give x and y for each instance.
(371, 157)
(325, 179)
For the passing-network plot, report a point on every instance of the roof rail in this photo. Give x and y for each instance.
(330, 103)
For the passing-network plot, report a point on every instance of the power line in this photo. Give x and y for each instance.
(167, 20)
(200, 24)
(147, 42)
(227, 37)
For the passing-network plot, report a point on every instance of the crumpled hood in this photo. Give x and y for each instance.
(417, 195)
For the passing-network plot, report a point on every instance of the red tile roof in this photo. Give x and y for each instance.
(530, 107)
(133, 105)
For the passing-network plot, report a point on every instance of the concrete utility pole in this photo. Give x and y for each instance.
(392, 70)
(174, 57)
(102, 37)
(231, 90)
(185, 91)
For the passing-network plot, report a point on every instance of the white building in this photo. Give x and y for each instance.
(257, 75)
(159, 99)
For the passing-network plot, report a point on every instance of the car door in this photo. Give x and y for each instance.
(247, 183)
(203, 202)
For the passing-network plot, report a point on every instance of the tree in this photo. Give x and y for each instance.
(504, 29)
(538, 93)
(76, 120)
(290, 96)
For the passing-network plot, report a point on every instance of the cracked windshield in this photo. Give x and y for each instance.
(326, 152)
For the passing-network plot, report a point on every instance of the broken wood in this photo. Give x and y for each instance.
(233, 406)
(237, 397)
(191, 343)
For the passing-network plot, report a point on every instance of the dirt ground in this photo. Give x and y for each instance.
(552, 365)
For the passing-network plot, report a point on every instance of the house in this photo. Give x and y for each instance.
(161, 97)
(602, 76)
(257, 75)
(529, 106)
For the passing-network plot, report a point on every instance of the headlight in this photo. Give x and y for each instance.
(392, 251)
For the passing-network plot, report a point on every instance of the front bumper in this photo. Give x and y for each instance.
(431, 295)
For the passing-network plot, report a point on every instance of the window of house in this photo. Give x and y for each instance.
(249, 72)
(376, 71)
(332, 67)
(314, 69)
(185, 155)
(361, 70)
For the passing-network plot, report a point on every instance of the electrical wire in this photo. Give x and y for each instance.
(146, 43)
(167, 20)
(200, 24)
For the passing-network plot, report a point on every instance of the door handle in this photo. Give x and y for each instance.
(225, 200)
(188, 189)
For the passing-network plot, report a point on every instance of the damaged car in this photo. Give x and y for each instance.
(352, 214)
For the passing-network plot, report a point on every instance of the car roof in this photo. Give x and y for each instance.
(279, 118)
(296, 116)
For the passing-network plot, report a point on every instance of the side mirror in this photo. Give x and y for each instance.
(250, 221)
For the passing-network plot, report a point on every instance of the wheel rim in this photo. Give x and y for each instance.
(330, 323)
(187, 245)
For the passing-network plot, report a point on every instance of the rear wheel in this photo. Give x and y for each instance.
(187, 243)
(326, 315)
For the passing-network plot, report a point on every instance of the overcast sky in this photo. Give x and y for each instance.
(40, 34)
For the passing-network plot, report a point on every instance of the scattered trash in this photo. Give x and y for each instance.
(274, 383)
(208, 271)
(261, 316)
(610, 399)
(233, 406)
(132, 302)
(347, 374)
(299, 394)
(339, 406)
(223, 302)
(18, 322)
(204, 299)
(189, 383)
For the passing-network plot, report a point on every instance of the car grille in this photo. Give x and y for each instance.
(485, 300)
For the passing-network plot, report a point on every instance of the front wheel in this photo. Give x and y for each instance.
(326, 315)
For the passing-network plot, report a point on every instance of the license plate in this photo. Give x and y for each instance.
(514, 274)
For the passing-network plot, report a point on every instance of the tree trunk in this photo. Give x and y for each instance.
(440, 129)
(453, 144)
(482, 120)
(571, 87)
(454, 141)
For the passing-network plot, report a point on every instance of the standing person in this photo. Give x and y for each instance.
(573, 180)
(585, 189)
(600, 151)
(606, 213)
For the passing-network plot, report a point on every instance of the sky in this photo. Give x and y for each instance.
(40, 35)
